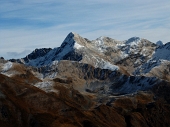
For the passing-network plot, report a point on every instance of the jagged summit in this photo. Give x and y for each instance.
(74, 40)
(103, 82)
(69, 38)
(104, 52)
(105, 41)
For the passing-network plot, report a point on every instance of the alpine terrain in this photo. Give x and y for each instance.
(88, 83)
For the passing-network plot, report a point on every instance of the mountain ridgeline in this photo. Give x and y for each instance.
(88, 83)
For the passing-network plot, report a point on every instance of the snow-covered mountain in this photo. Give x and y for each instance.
(160, 57)
(73, 48)
(135, 56)
(132, 57)
(158, 65)
(103, 52)
(102, 82)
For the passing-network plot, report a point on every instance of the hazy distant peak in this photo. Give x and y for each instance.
(159, 43)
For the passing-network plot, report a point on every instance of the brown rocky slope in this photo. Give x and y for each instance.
(23, 105)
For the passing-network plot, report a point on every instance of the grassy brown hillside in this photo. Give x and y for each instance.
(23, 105)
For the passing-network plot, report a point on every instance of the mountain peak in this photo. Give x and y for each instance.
(159, 43)
(72, 35)
(133, 39)
(74, 40)
(68, 40)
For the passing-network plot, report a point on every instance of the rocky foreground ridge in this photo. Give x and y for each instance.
(84, 83)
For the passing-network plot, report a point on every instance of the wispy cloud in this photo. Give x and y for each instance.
(26, 25)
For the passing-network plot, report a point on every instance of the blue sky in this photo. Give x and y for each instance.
(29, 24)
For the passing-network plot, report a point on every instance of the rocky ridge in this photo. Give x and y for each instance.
(83, 83)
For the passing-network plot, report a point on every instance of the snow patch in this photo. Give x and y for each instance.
(54, 63)
(99, 41)
(7, 66)
(133, 41)
(45, 85)
(110, 66)
(99, 44)
(77, 46)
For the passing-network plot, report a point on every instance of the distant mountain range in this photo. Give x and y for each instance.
(136, 56)
(127, 78)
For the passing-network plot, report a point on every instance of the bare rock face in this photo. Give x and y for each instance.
(88, 83)
(37, 53)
